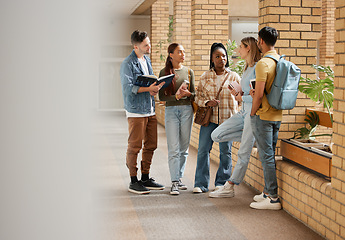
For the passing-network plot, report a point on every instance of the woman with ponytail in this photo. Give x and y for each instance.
(178, 113)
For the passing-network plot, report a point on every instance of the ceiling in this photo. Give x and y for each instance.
(129, 7)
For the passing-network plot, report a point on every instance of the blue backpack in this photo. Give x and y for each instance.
(284, 89)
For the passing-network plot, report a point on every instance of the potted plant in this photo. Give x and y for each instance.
(236, 66)
(302, 148)
(320, 90)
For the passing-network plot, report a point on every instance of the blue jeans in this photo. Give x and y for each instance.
(178, 127)
(202, 173)
(266, 136)
(238, 129)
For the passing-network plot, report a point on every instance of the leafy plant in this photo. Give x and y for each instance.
(312, 119)
(168, 40)
(159, 45)
(320, 90)
(237, 67)
(171, 29)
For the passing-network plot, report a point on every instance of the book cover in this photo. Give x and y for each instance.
(236, 86)
(147, 80)
(183, 86)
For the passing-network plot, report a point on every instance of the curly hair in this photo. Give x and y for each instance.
(138, 37)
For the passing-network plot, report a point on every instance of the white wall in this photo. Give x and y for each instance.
(243, 28)
(116, 46)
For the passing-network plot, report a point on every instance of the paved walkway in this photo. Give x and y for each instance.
(159, 215)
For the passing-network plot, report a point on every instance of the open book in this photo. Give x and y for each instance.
(147, 80)
(236, 86)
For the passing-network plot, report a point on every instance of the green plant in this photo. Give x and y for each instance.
(320, 91)
(168, 40)
(159, 45)
(171, 29)
(307, 132)
(237, 67)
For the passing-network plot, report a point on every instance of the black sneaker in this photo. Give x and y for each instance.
(151, 184)
(174, 189)
(181, 185)
(138, 188)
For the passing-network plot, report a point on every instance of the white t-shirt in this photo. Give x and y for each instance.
(145, 69)
(218, 81)
(143, 64)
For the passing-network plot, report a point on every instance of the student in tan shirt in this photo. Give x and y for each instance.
(265, 120)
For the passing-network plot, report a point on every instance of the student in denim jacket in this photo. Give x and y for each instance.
(139, 104)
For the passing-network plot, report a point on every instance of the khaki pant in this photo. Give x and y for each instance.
(141, 130)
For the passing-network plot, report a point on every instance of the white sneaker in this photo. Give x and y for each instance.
(260, 197)
(197, 190)
(223, 191)
(267, 203)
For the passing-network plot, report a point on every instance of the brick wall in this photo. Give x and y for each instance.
(299, 27)
(326, 48)
(338, 169)
(209, 24)
(328, 31)
(159, 31)
(182, 27)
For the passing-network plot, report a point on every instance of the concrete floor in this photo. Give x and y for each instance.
(159, 215)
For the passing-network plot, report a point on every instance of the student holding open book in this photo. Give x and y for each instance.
(238, 127)
(178, 113)
(139, 104)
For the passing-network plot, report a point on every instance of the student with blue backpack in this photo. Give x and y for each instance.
(266, 120)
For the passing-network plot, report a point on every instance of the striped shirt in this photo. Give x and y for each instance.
(207, 90)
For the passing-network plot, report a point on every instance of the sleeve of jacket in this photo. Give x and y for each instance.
(127, 78)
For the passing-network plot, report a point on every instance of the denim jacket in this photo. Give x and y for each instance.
(135, 102)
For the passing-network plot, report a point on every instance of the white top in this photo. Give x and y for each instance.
(143, 64)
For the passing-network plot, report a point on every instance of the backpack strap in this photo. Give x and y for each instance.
(270, 56)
